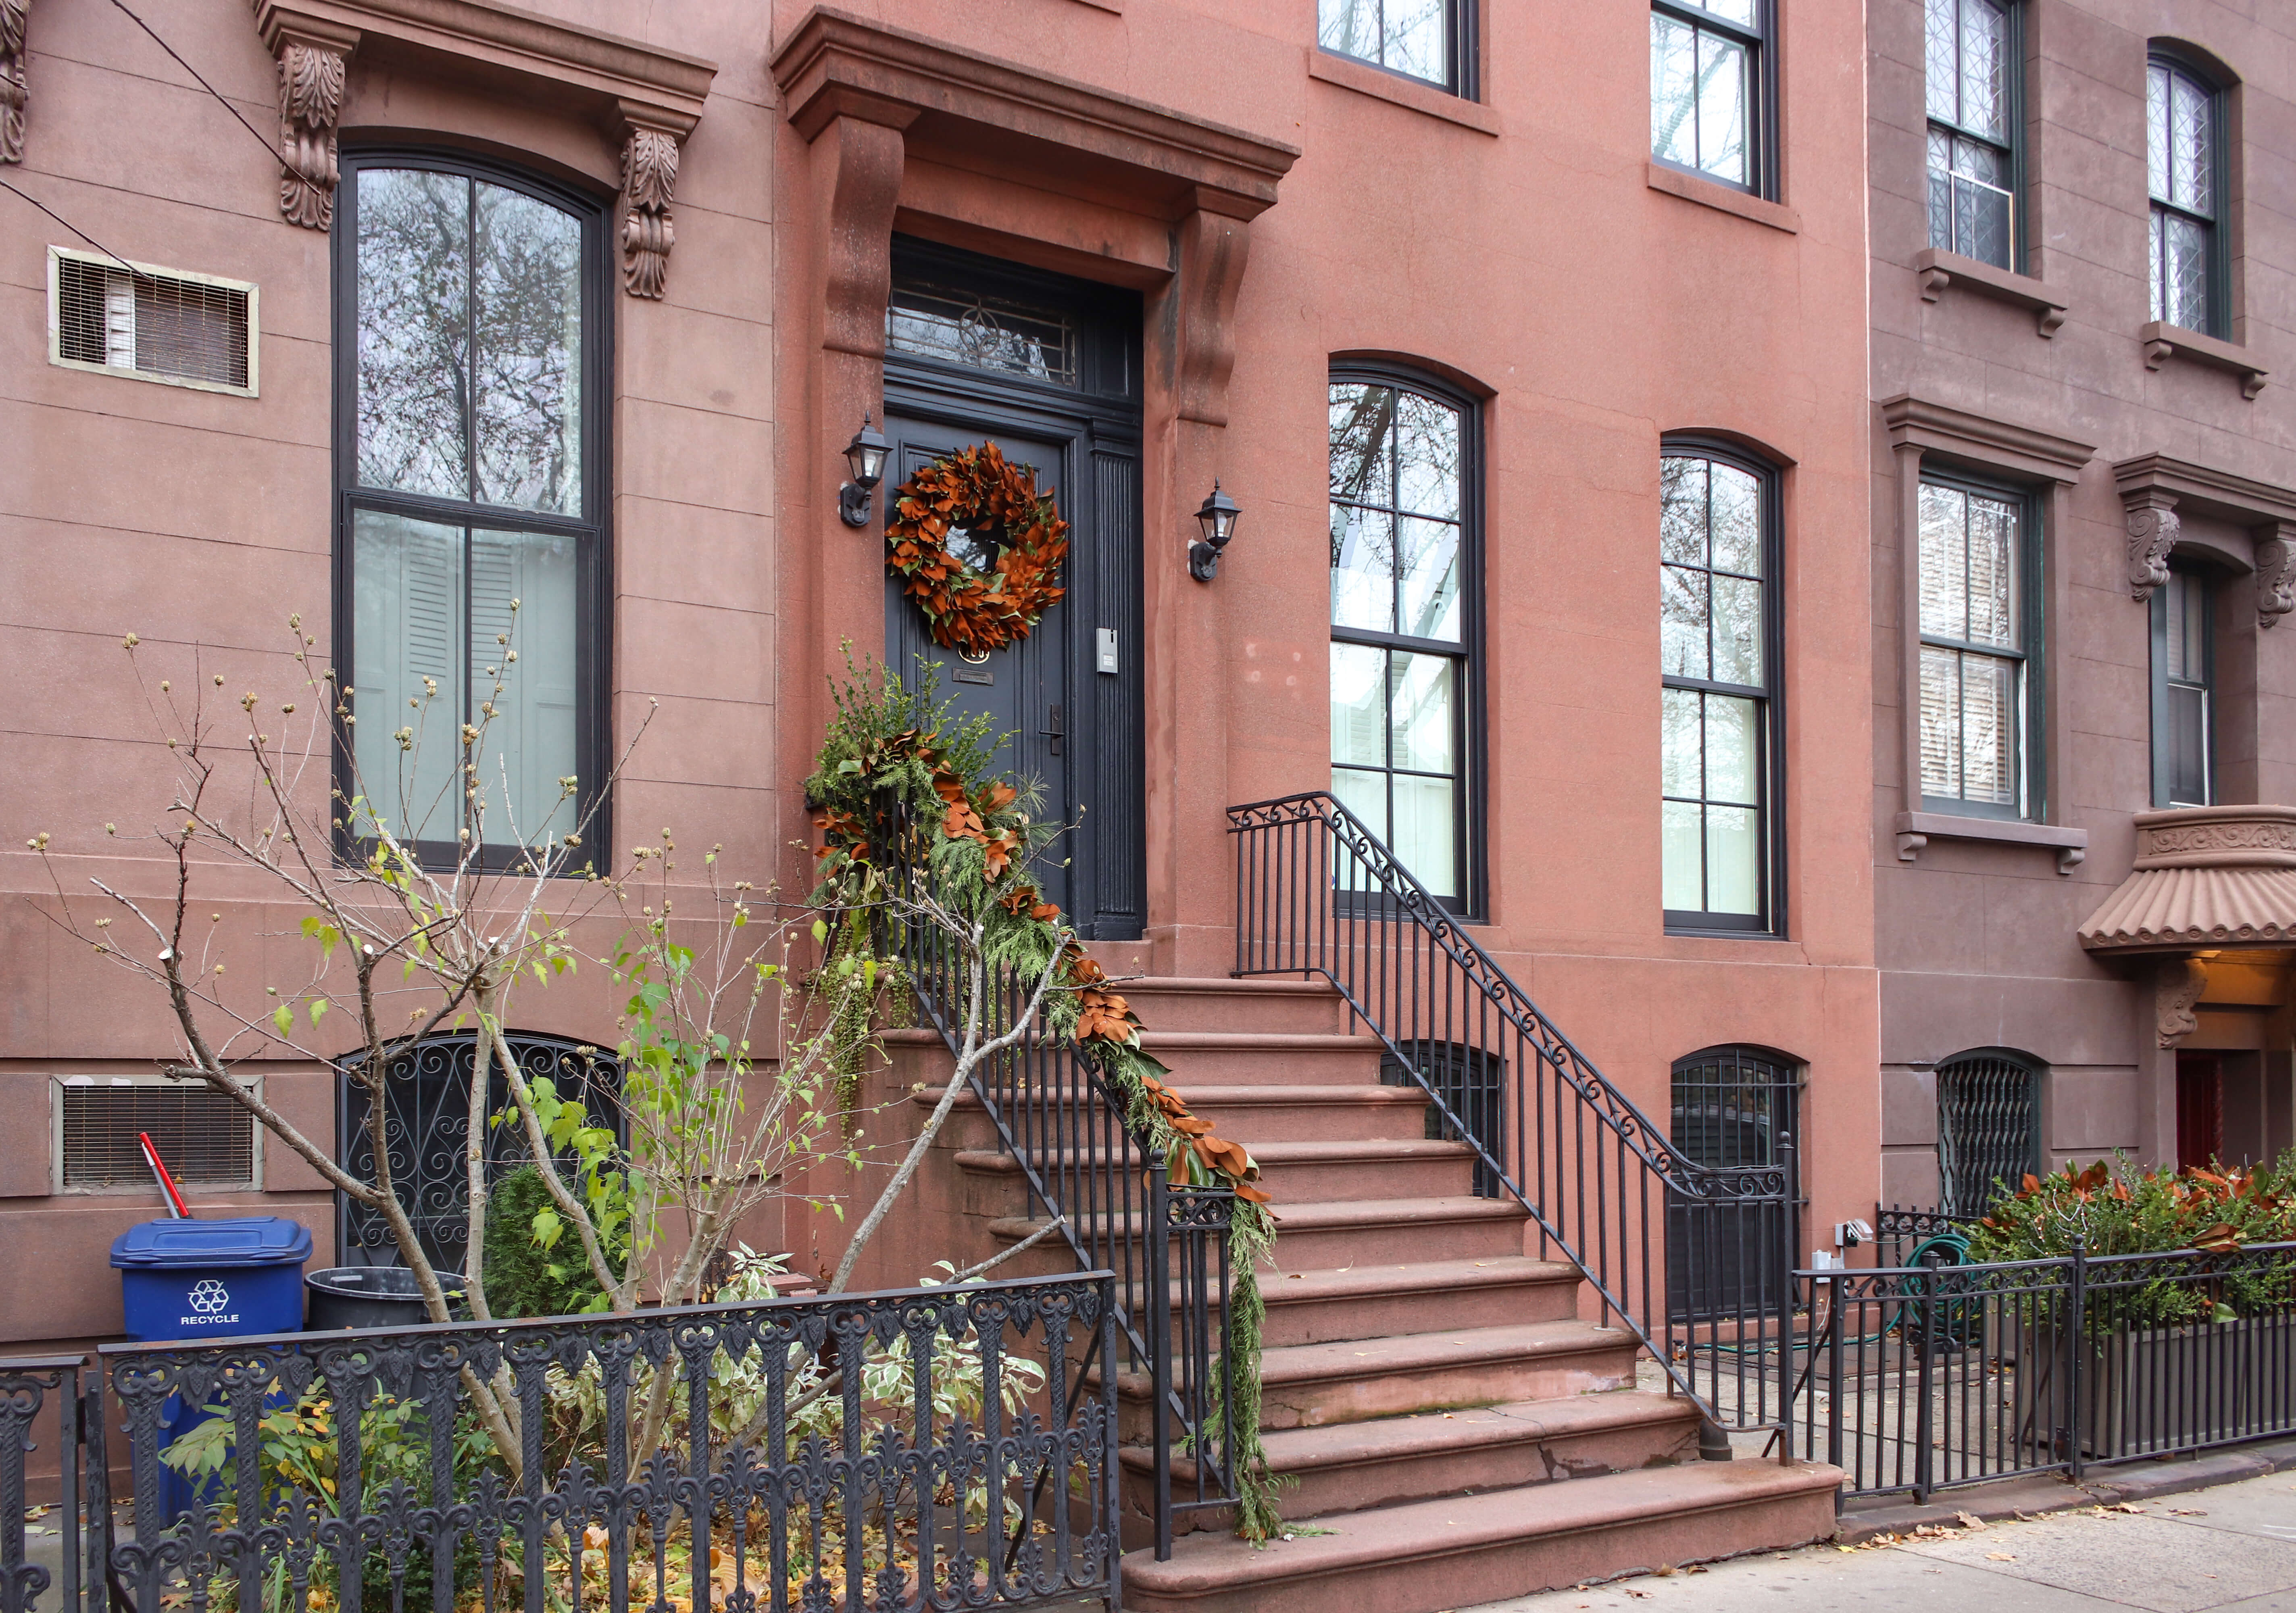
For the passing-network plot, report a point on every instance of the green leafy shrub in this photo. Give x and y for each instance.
(527, 1276)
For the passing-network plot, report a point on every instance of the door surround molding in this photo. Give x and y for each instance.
(866, 98)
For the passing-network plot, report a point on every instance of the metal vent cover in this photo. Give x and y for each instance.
(155, 324)
(203, 1137)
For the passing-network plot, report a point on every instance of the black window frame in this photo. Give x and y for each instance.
(592, 529)
(1461, 40)
(2163, 783)
(2012, 119)
(2218, 277)
(2034, 1072)
(1770, 765)
(2032, 766)
(1763, 156)
(1468, 748)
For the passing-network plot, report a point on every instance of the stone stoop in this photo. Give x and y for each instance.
(1454, 1424)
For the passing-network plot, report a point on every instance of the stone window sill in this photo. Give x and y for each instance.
(1917, 829)
(1722, 199)
(1939, 270)
(2163, 341)
(1383, 86)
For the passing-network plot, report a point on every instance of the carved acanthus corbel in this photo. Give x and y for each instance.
(2176, 991)
(649, 184)
(2152, 528)
(13, 94)
(312, 71)
(2276, 572)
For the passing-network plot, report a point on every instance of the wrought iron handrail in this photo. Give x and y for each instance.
(1086, 1167)
(1702, 1276)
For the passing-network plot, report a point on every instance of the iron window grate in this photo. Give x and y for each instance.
(1988, 1130)
(154, 325)
(204, 1138)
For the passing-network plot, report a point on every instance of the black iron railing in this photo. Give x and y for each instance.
(1922, 1378)
(45, 1404)
(1900, 1234)
(1088, 1167)
(1317, 894)
(928, 1446)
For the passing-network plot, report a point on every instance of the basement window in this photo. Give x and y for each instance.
(167, 325)
(204, 1138)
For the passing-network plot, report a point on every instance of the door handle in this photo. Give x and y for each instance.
(1053, 732)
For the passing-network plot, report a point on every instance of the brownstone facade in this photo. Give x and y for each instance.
(2150, 468)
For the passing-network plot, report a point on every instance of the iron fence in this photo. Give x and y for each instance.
(938, 1447)
(1900, 1234)
(1924, 1377)
(1319, 895)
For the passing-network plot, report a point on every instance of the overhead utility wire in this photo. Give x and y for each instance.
(270, 150)
(74, 228)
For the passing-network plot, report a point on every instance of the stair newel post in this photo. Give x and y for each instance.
(2075, 1433)
(1788, 1234)
(1838, 1291)
(1924, 1375)
(1156, 1237)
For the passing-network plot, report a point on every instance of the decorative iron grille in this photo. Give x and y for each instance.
(428, 1122)
(1988, 1129)
(1472, 1084)
(1732, 1108)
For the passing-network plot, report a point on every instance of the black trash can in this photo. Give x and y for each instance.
(361, 1297)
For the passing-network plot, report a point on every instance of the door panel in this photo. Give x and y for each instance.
(1023, 688)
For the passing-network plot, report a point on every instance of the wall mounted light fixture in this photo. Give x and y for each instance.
(1217, 520)
(865, 456)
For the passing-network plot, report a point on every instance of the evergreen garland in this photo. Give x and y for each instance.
(896, 764)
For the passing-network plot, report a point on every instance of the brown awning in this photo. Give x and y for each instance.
(2203, 876)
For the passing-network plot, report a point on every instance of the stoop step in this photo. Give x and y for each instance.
(1460, 1549)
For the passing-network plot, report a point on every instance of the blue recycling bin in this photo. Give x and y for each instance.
(192, 1281)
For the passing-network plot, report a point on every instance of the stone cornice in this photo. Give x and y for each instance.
(2199, 490)
(2216, 837)
(622, 80)
(836, 64)
(1983, 440)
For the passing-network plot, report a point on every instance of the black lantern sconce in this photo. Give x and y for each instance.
(1217, 520)
(865, 456)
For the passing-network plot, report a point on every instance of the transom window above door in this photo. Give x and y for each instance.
(1424, 39)
(470, 347)
(1402, 513)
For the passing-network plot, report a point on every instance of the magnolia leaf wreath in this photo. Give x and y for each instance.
(977, 491)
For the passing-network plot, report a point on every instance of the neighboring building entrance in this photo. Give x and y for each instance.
(1049, 370)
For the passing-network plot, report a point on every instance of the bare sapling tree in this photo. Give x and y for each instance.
(425, 902)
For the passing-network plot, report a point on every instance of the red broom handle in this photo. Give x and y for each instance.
(167, 1182)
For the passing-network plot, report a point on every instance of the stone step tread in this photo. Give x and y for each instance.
(1373, 1150)
(1305, 1450)
(1261, 986)
(1324, 1214)
(1319, 1216)
(1418, 1277)
(1215, 1564)
(1443, 1351)
(1260, 1041)
(1306, 1093)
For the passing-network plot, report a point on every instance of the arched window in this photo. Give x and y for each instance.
(1988, 1127)
(2185, 151)
(428, 1121)
(471, 382)
(1732, 1109)
(1718, 653)
(1973, 62)
(1406, 507)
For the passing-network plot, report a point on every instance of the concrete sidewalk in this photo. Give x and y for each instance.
(2233, 1547)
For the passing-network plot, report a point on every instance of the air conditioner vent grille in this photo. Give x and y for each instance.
(174, 327)
(204, 1138)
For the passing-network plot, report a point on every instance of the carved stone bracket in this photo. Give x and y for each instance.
(13, 93)
(2153, 529)
(649, 183)
(2276, 572)
(2176, 990)
(311, 75)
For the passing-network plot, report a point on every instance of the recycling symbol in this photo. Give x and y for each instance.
(208, 1297)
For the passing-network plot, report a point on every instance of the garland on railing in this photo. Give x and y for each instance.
(894, 761)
